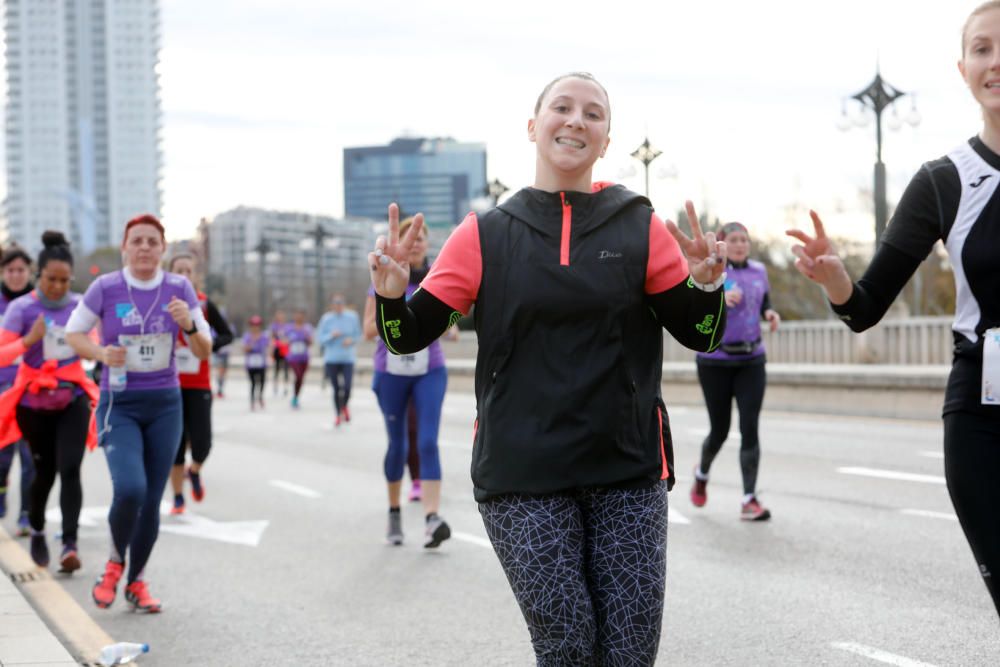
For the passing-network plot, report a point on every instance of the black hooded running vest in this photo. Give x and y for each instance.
(570, 356)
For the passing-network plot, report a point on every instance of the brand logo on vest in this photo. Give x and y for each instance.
(980, 181)
(608, 254)
(706, 325)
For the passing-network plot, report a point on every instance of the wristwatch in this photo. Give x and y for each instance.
(193, 331)
(712, 286)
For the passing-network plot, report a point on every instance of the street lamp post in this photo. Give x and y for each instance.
(878, 96)
(645, 154)
(262, 249)
(318, 236)
(495, 190)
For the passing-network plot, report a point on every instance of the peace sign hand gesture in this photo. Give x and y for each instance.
(817, 260)
(706, 257)
(389, 263)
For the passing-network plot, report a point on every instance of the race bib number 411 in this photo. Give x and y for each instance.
(147, 353)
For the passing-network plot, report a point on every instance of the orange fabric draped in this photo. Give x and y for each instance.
(36, 379)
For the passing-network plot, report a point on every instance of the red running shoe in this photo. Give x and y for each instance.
(347, 414)
(754, 511)
(699, 491)
(138, 594)
(107, 584)
(197, 490)
(69, 561)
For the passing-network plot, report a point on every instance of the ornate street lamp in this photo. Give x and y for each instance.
(645, 154)
(878, 96)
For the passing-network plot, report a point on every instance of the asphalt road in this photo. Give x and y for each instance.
(859, 566)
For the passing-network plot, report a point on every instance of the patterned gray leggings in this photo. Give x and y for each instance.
(588, 569)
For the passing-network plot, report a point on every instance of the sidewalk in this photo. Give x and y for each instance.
(25, 640)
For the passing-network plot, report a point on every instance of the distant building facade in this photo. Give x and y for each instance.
(438, 177)
(232, 243)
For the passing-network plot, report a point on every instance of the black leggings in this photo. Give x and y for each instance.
(257, 378)
(588, 570)
(280, 368)
(340, 376)
(972, 470)
(197, 407)
(58, 440)
(720, 384)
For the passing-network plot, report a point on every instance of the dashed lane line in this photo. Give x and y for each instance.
(879, 655)
(947, 516)
(295, 488)
(892, 474)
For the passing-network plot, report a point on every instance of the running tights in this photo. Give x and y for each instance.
(299, 369)
(58, 440)
(340, 376)
(972, 470)
(27, 470)
(257, 378)
(140, 448)
(197, 425)
(394, 393)
(720, 384)
(588, 569)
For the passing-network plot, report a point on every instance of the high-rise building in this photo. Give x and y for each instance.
(83, 118)
(438, 177)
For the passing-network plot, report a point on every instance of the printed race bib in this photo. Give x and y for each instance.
(54, 344)
(255, 360)
(408, 364)
(991, 367)
(187, 363)
(147, 353)
(298, 348)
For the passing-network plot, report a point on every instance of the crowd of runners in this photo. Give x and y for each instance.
(570, 469)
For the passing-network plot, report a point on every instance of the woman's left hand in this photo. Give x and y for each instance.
(706, 257)
(181, 312)
(773, 318)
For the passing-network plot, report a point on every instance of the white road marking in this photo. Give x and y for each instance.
(295, 488)
(932, 455)
(673, 516)
(247, 533)
(472, 539)
(892, 474)
(931, 515)
(879, 655)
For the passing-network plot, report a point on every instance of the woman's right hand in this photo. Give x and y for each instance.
(733, 297)
(113, 356)
(37, 331)
(389, 263)
(817, 260)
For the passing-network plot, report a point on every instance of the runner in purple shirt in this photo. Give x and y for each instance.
(736, 370)
(299, 335)
(256, 346)
(140, 310)
(53, 421)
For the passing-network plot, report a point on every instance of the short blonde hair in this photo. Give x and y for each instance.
(981, 9)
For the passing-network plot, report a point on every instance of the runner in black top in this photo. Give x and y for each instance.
(573, 283)
(956, 199)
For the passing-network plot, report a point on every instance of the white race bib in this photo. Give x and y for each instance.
(408, 364)
(255, 360)
(187, 363)
(298, 348)
(54, 344)
(147, 353)
(991, 367)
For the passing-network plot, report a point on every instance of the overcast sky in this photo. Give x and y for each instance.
(261, 96)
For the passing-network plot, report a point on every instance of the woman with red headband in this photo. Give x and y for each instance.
(736, 370)
(52, 397)
(140, 310)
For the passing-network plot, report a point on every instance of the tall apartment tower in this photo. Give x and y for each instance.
(83, 118)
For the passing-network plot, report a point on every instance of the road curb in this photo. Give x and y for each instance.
(41, 622)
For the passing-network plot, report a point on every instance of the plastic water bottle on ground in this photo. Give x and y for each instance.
(121, 653)
(117, 378)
